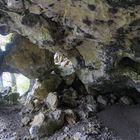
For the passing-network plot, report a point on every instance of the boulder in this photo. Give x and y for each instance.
(27, 101)
(52, 100)
(27, 58)
(102, 100)
(49, 84)
(38, 119)
(70, 117)
(45, 125)
(69, 97)
(25, 121)
(126, 100)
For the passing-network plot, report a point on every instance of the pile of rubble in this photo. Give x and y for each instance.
(7, 97)
(55, 103)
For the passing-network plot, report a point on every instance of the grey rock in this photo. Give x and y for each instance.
(90, 100)
(92, 108)
(34, 132)
(79, 136)
(66, 129)
(25, 121)
(126, 100)
(102, 100)
(46, 125)
(70, 116)
(69, 97)
(52, 100)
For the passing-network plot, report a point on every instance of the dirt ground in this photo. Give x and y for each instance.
(117, 122)
(10, 128)
(124, 120)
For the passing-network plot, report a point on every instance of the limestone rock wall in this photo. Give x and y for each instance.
(27, 58)
(101, 38)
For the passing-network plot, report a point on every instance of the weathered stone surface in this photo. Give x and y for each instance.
(99, 37)
(43, 88)
(66, 68)
(52, 100)
(38, 119)
(69, 98)
(27, 101)
(45, 125)
(72, 48)
(25, 121)
(126, 100)
(102, 100)
(28, 58)
(70, 117)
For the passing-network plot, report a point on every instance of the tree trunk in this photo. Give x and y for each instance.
(13, 80)
(1, 82)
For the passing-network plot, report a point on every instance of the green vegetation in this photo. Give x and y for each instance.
(19, 84)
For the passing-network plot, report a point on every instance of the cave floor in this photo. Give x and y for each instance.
(10, 128)
(124, 120)
(117, 122)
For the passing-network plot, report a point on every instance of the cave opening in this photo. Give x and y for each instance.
(18, 82)
(4, 40)
(15, 82)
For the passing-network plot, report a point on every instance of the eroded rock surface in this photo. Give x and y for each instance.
(77, 50)
(101, 38)
(27, 58)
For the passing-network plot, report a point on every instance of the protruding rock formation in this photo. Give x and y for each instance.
(27, 58)
(100, 38)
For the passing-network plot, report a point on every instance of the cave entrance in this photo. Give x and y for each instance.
(16, 82)
(4, 40)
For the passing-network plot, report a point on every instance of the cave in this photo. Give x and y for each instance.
(79, 62)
